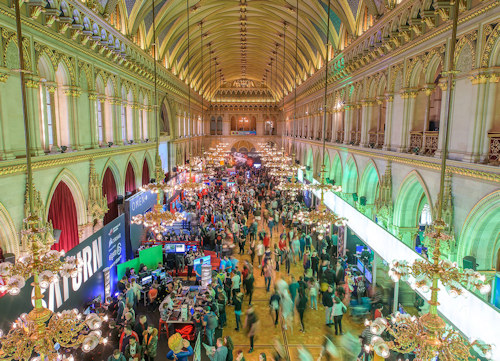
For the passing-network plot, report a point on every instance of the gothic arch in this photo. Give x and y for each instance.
(9, 238)
(480, 235)
(137, 169)
(336, 169)
(149, 161)
(370, 183)
(350, 176)
(71, 181)
(309, 162)
(412, 195)
(119, 179)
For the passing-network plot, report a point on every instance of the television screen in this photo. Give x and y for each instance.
(169, 248)
(180, 248)
(146, 280)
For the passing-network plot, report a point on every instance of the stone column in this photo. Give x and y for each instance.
(443, 84)
(349, 109)
(33, 105)
(388, 121)
(366, 121)
(6, 150)
(94, 136)
(395, 304)
(72, 94)
(409, 97)
(374, 269)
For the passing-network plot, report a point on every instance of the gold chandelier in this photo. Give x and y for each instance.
(158, 220)
(321, 218)
(428, 336)
(43, 333)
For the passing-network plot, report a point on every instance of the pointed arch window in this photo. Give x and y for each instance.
(48, 117)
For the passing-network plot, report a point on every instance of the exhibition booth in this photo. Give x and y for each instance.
(99, 255)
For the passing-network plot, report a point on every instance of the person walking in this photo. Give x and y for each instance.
(274, 305)
(338, 311)
(301, 308)
(260, 252)
(327, 300)
(249, 286)
(251, 326)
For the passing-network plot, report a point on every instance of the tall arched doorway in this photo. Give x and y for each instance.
(145, 172)
(110, 192)
(62, 214)
(130, 180)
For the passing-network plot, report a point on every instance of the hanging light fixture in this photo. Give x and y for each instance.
(429, 336)
(190, 187)
(293, 188)
(40, 333)
(158, 219)
(321, 219)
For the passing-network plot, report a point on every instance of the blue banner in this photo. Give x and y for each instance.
(113, 245)
(139, 203)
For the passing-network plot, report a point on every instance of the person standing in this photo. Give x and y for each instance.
(220, 353)
(117, 356)
(313, 293)
(125, 337)
(190, 264)
(210, 322)
(251, 326)
(133, 351)
(237, 309)
(328, 304)
(338, 311)
(150, 343)
(235, 287)
(301, 308)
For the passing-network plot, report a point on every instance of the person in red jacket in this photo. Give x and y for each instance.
(126, 335)
(266, 241)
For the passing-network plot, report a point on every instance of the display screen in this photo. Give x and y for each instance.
(180, 248)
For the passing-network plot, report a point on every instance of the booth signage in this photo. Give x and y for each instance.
(139, 203)
(96, 253)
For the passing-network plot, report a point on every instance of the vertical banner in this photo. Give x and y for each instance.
(139, 203)
(113, 244)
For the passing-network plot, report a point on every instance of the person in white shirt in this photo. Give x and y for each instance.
(235, 286)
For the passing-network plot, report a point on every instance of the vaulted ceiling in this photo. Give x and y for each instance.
(238, 39)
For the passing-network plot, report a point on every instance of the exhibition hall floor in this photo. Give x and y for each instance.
(292, 339)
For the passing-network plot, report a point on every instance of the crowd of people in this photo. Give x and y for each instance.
(250, 217)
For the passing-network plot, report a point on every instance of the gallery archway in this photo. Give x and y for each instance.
(64, 218)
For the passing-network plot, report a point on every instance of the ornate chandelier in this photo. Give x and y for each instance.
(157, 220)
(43, 333)
(429, 336)
(321, 219)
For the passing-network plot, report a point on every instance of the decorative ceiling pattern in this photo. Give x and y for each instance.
(239, 39)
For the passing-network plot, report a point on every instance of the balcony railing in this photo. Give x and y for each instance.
(494, 150)
(416, 139)
(355, 137)
(431, 142)
(340, 136)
